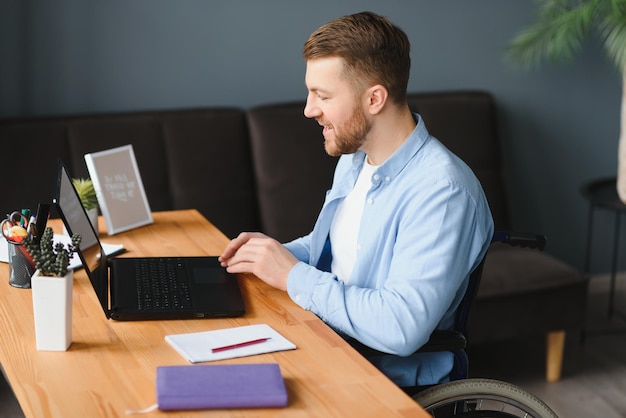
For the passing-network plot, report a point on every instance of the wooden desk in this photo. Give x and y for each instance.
(111, 366)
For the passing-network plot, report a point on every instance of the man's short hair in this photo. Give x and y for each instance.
(373, 49)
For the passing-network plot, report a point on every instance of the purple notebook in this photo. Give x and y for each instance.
(220, 386)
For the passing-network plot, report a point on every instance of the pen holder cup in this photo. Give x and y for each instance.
(21, 266)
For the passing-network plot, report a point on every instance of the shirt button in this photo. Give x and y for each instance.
(376, 176)
(370, 201)
(387, 179)
(298, 298)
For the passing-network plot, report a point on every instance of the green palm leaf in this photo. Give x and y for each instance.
(613, 30)
(557, 34)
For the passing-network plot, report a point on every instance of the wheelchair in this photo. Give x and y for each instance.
(486, 398)
(475, 397)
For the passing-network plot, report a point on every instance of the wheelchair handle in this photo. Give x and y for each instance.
(520, 239)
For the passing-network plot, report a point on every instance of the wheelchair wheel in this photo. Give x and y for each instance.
(484, 398)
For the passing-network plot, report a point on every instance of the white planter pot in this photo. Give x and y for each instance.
(52, 308)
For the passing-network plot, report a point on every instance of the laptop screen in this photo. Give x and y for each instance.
(77, 222)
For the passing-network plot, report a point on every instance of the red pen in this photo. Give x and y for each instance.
(243, 344)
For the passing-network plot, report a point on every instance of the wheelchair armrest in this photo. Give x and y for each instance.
(364, 350)
(439, 340)
(520, 239)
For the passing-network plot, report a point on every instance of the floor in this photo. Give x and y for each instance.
(593, 383)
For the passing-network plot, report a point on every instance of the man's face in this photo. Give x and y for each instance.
(333, 103)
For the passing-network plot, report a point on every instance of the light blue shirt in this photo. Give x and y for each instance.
(426, 225)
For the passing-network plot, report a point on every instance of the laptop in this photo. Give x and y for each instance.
(147, 288)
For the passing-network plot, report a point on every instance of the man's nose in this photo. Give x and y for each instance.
(310, 109)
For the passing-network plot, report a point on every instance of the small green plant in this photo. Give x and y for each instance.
(86, 193)
(51, 259)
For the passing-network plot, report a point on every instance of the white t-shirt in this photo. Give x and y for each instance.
(344, 231)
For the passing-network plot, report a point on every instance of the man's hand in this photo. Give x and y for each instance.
(256, 253)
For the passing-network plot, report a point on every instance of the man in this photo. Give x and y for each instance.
(405, 221)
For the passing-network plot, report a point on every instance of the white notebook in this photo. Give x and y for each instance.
(249, 340)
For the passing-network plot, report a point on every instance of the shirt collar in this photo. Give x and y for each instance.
(392, 166)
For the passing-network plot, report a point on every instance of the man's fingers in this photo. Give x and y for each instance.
(242, 267)
(234, 245)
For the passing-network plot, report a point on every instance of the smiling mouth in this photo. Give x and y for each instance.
(325, 128)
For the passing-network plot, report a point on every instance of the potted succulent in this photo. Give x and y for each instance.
(557, 34)
(88, 198)
(52, 290)
(86, 193)
(51, 259)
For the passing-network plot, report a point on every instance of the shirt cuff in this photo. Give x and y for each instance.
(300, 285)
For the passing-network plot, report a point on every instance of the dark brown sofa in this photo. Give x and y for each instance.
(265, 169)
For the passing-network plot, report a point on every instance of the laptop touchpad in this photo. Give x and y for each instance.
(208, 275)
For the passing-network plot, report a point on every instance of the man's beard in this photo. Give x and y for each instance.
(352, 136)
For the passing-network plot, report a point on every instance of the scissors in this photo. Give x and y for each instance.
(15, 227)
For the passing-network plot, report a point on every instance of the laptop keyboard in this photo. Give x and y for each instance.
(162, 284)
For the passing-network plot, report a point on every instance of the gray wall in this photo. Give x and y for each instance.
(559, 124)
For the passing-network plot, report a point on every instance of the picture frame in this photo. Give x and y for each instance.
(119, 188)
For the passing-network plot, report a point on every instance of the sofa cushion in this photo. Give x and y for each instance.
(292, 169)
(30, 166)
(525, 292)
(92, 134)
(465, 122)
(514, 270)
(210, 168)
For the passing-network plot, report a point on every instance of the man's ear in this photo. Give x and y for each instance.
(376, 98)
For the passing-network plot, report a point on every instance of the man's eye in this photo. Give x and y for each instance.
(322, 97)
